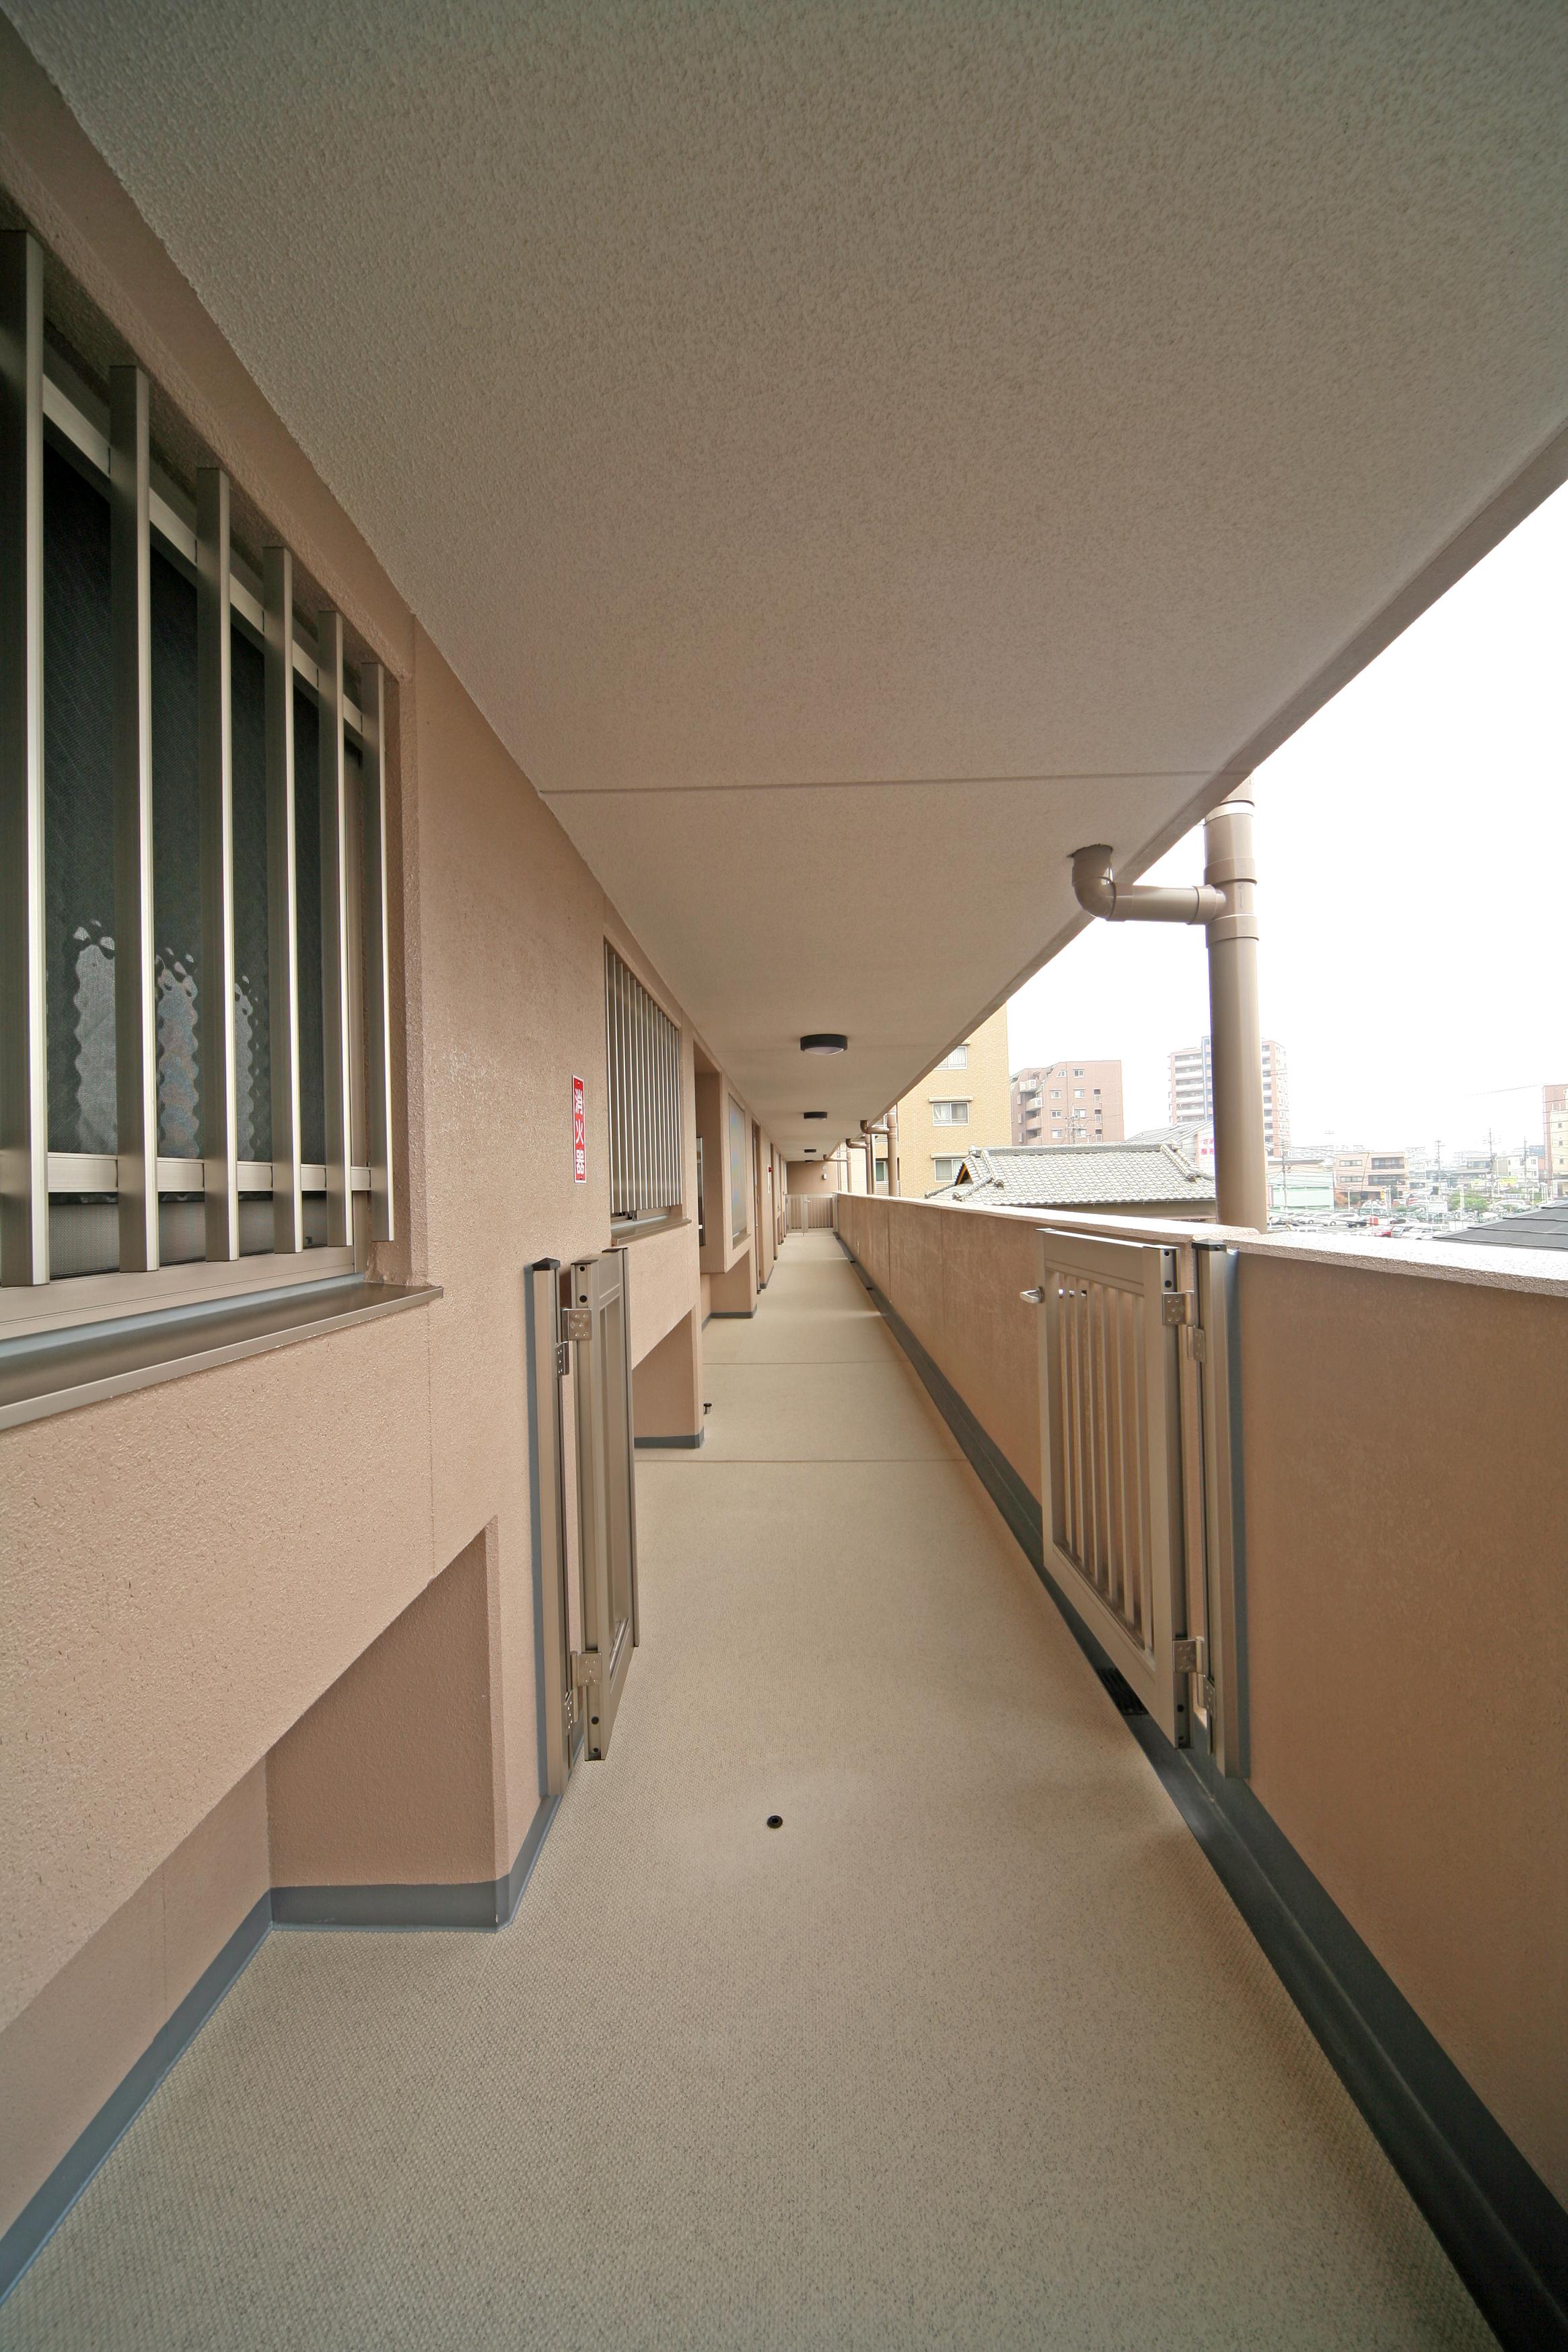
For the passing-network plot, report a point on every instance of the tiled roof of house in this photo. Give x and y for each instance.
(1544, 1228)
(1077, 1176)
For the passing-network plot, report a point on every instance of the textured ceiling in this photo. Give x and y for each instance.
(940, 408)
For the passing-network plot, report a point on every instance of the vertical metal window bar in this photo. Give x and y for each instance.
(23, 1100)
(334, 927)
(377, 959)
(282, 935)
(136, 997)
(214, 757)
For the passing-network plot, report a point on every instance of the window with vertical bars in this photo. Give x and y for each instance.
(643, 1054)
(193, 805)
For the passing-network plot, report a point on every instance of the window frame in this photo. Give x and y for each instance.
(645, 1100)
(49, 410)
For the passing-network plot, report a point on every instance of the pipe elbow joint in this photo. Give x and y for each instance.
(1094, 884)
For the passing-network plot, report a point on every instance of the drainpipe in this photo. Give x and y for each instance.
(893, 1182)
(1225, 902)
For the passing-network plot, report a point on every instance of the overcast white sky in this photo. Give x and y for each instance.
(1413, 888)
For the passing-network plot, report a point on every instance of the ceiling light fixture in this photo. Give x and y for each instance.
(824, 1041)
(813, 1113)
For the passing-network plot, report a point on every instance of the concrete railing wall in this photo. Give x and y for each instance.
(1406, 1494)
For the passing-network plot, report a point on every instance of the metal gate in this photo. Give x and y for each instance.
(1139, 1468)
(810, 1213)
(585, 1504)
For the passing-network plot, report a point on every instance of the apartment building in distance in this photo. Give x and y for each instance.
(1191, 1091)
(1554, 1119)
(1068, 1102)
(961, 1103)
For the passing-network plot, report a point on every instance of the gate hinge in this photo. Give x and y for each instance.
(579, 1323)
(584, 1669)
(1190, 1656)
(563, 1357)
(1179, 1309)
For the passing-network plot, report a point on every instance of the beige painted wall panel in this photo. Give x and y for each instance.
(511, 963)
(955, 1275)
(667, 1385)
(1408, 1495)
(188, 1567)
(86, 2029)
(389, 1779)
(662, 1282)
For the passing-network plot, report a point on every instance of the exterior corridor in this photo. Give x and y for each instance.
(972, 2051)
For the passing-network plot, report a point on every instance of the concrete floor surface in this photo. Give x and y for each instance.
(974, 2050)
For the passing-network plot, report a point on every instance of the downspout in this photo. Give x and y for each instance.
(1225, 903)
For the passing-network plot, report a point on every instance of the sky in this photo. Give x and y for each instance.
(1413, 889)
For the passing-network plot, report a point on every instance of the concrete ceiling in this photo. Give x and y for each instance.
(853, 453)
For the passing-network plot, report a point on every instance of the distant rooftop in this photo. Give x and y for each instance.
(1078, 1176)
(1544, 1229)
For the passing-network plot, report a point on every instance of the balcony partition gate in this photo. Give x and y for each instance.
(1137, 1461)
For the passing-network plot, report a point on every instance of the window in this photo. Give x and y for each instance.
(958, 1059)
(1056, 1135)
(643, 1071)
(209, 985)
(740, 1182)
(950, 1114)
(946, 1169)
(1078, 1073)
(1077, 1094)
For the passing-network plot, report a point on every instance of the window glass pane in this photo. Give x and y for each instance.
(176, 859)
(307, 893)
(252, 1042)
(78, 812)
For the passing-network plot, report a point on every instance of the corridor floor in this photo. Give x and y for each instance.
(973, 2051)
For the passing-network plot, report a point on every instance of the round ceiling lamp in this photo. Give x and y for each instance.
(824, 1041)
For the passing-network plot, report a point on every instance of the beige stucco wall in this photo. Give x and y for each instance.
(1406, 1488)
(954, 1276)
(204, 1574)
(985, 1081)
(1407, 1619)
(92, 2022)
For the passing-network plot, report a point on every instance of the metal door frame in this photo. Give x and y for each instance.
(559, 1731)
(595, 1284)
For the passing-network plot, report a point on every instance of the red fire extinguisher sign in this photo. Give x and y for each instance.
(579, 1133)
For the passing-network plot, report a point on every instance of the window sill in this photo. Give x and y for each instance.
(55, 1372)
(642, 1229)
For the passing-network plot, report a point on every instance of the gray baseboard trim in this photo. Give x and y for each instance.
(47, 2207)
(1495, 2218)
(469, 1903)
(731, 1314)
(654, 1444)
